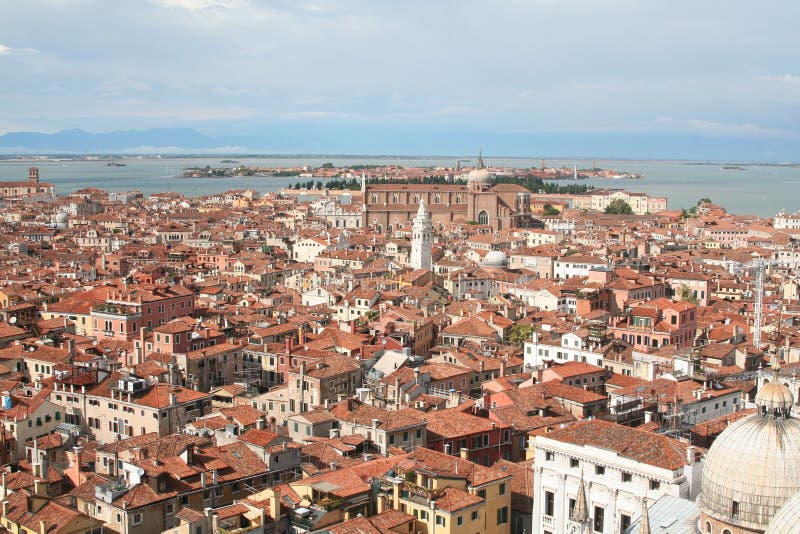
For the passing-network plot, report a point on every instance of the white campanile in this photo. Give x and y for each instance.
(421, 240)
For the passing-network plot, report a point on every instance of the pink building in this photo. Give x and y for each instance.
(657, 323)
(125, 312)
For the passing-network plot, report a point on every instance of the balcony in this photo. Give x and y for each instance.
(116, 311)
(547, 521)
(111, 491)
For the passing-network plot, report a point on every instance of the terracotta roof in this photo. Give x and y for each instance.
(646, 447)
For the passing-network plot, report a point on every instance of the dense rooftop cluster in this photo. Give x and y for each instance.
(243, 362)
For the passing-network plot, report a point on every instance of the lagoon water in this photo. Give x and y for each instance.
(759, 190)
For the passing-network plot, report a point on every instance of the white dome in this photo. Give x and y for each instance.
(495, 258)
(774, 396)
(787, 518)
(480, 175)
(62, 217)
(754, 463)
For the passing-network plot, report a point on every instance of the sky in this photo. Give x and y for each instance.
(617, 78)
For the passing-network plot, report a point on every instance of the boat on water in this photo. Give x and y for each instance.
(116, 164)
(732, 168)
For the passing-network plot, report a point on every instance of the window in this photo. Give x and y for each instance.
(599, 518)
(549, 503)
(624, 522)
(626, 477)
(137, 519)
(502, 490)
(571, 507)
(460, 520)
(423, 515)
(549, 456)
(502, 515)
(655, 484)
(573, 462)
(708, 527)
(475, 515)
(440, 520)
(735, 509)
(599, 470)
(482, 493)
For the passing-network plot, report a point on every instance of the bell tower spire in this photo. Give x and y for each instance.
(421, 239)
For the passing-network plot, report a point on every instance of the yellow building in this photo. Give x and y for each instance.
(33, 513)
(447, 494)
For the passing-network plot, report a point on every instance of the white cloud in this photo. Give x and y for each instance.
(116, 86)
(746, 129)
(192, 5)
(8, 51)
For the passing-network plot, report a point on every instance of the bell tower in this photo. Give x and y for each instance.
(421, 240)
(33, 175)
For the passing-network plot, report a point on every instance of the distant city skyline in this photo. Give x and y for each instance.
(626, 79)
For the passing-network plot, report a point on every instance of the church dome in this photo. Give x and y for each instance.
(787, 518)
(481, 176)
(752, 467)
(62, 217)
(495, 258)
(774, 396)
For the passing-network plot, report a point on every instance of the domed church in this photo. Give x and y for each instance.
(388, 207)
(753, 469)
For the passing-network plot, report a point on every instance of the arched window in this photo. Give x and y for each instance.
(379, 229)
(416, 199)
(726, 531)
(708, 527)
(389, 229)
(374, 198)
(458, 199)
(395, 199)
(437, 199)
(483, 217)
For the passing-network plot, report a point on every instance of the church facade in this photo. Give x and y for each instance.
(33, 189)
(389, 207)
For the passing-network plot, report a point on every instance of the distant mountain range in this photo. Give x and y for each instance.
(80, 141)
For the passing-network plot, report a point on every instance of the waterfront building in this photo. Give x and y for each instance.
(33, 189)
(388, 207)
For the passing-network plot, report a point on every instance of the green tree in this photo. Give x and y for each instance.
(550, 210)
(619, 207)
(687, 295)
(520, 333)
(327, 166)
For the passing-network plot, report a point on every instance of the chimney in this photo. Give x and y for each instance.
(42, 527)
(464, 453)
(447, 447)
(397, 391)
(691, 455)
(502, 367)
(275, 504)
(141, 352)
(40, 487)
(5, 508)
(260, 423)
